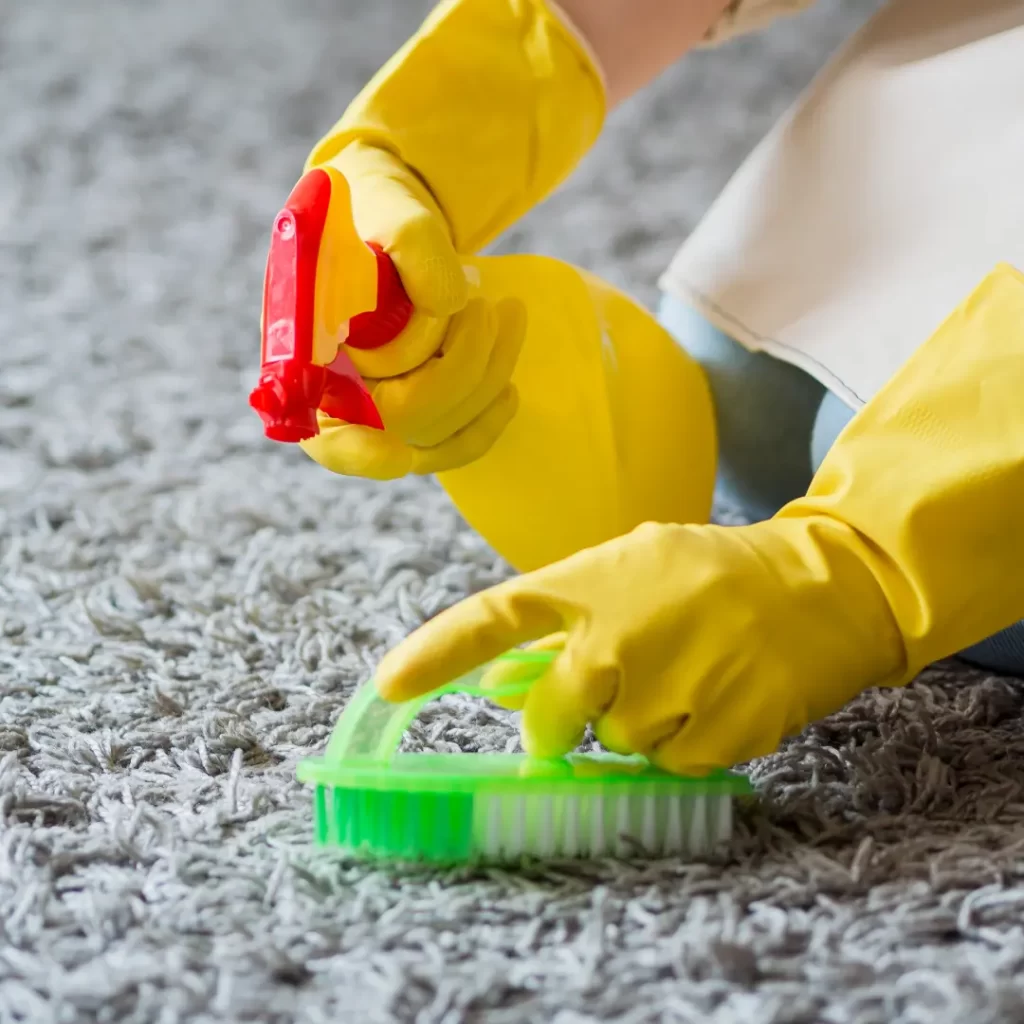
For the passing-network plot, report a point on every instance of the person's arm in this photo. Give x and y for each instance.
(634, 41)
(743, 16)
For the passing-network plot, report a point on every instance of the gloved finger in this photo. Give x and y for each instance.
(503, 672)
(468, 635)
(575, 691)
(622, 733)
(431, 271)
(721, 735)
(394, 208)
(679, 754)
(422, 338)
(508, 335)
(470, 443)
(411, 403)
(352, 450)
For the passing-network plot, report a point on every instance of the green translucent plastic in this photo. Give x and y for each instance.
(373, 727)
(371, 801)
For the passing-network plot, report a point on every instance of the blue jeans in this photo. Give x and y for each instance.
(775, 426)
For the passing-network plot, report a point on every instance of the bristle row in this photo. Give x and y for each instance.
(613, 822)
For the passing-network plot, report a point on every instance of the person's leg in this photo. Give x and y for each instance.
(764, 411)
(1002, 653)
(831, 418)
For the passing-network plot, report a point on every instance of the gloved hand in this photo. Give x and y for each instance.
(483, 112)
(442, 415)
(392, 207)
(699, 646)
(703, 646)
(476, 119)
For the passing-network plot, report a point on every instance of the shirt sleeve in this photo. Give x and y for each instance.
(743, 16)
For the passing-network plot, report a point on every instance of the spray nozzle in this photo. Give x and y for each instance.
(324, 289)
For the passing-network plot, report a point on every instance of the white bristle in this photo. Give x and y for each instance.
(544, 842)
(724, 809)
(597, 826)
(622, 824)
(649, 829)
(698, 837)
(589, 810)
(674, 826)
(571, 826)
(598, 823)
(513, 838)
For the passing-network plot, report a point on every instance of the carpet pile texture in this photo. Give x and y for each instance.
(184, 607)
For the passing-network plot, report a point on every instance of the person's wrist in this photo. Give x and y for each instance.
(818, 580)
(631, 42)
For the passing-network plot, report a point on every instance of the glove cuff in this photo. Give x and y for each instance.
(492, 104)
(929, 477)
(816, 576)
(581, 41)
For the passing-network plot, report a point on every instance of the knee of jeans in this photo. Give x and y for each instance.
(764, 409)
(1002, 654)
(833, 416)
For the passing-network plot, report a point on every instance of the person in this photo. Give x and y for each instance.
(869, 426)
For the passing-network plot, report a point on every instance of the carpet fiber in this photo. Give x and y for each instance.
(184, 607)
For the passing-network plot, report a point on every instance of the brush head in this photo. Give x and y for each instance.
(500, 808)
(447, 808)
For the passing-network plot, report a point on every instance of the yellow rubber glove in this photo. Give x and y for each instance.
(703, 646)
(423, 434)
(392, 207)
(482, 113)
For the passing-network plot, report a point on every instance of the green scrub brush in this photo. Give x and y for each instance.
(373, 802)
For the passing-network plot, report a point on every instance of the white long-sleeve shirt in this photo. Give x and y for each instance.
(883, 197)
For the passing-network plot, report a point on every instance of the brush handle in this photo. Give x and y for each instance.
(371, 727)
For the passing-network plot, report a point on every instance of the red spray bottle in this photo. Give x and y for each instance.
(307, 325)
(604, 391)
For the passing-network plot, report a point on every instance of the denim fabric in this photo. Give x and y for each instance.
(775, 426)
(765, 412)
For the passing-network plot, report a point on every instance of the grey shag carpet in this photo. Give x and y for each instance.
(184, 607)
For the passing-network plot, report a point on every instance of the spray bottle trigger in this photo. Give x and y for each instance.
(345, 396)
